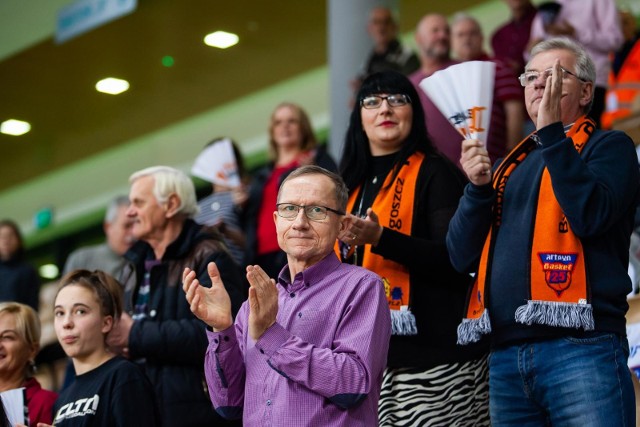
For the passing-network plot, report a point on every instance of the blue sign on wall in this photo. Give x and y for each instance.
(85, 15)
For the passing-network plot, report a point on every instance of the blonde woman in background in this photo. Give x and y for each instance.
(19, 344)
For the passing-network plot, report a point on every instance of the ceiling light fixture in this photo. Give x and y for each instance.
(14, 127)
(221, 39)
(112, 86)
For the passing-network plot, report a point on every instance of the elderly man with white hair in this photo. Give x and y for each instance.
(158, 328)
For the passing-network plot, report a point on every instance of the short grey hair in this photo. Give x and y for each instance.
(112, 209)
(461, 17)
(167, 181)
(585, 68)
(340, 188)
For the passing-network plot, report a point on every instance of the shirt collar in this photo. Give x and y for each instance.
(311, 275)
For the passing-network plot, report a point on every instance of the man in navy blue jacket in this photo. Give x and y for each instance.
(549, 244)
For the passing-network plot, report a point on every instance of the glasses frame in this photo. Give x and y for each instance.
(304, 209)
(548, 71)
(382, 98)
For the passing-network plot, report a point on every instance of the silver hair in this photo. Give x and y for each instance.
(462, 16)
(116, 203)
(341, 190)
(167, 181)
(585, 68)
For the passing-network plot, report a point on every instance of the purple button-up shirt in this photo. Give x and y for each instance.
(320, 364)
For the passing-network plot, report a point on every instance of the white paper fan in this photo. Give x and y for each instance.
(217, 164)
(464, 94)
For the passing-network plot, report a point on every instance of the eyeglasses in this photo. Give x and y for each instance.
(313, 212)
(530, 77)
(375, 101)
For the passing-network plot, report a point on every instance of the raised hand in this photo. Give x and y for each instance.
(263, 301)
(360, 231)
(550, 110)
(475, 162)
(211, 305)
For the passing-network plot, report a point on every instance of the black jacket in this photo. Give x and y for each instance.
(19, 282)
(171, 341)
(438, 292)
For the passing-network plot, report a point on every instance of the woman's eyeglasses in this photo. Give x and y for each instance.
(375, 101)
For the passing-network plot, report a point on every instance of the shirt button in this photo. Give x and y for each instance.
(292, 294)
(299, 314)
(226, 338)
(268, 402)
(215, 340)
(152, 313)
(262, 351)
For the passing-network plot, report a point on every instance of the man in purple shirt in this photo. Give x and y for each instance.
(310, 349)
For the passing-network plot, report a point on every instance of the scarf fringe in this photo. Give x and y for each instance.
(552, 313)
(403, 322)
(471, 330)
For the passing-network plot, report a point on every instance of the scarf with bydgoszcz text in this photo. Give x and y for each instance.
(559, 293)
(394, 205)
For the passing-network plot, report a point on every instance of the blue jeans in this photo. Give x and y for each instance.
(562, 382)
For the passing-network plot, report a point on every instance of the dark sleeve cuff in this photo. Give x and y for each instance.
(272, 339)
(551, 134)
(479, 192)
(222, 340)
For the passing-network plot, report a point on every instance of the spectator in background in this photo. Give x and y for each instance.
(291, 144)
(510, 41)
(19, 345)
(507, 112)
(595, 24)
(222, 208)
(388, 53)
(19, 281)
(433, 39)
(107, 256)
(157, 328)
(108, 390)
(402, 196)
(309, 349)
(624, 78)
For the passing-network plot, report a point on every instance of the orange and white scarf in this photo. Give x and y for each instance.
(394, 205)
(559, 293)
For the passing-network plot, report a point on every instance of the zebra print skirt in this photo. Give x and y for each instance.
(447, 395)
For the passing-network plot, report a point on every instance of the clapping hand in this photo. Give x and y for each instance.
(360, 231)
(263, 301)
(211, 305)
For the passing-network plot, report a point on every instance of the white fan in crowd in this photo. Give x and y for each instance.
(464, 94)
(217, 164)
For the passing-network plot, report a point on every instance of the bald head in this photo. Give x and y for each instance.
(432, 38)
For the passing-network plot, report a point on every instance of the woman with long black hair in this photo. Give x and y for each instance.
(402, 195)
